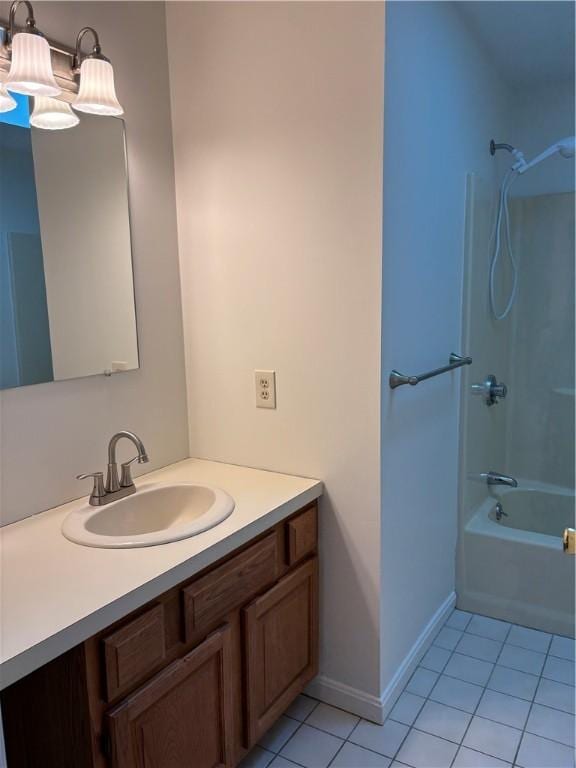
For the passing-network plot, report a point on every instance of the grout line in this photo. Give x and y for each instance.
(340, 748)
(494, 663)
(479, 700)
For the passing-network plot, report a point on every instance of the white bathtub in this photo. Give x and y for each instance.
(515, 568)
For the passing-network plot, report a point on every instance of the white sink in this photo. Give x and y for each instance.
(156, 514)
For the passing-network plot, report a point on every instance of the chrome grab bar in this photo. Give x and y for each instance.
(397, 379)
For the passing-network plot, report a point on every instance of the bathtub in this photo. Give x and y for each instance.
(515, 568)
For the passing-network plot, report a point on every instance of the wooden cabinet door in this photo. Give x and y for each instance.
(182, 717)
(281, 640)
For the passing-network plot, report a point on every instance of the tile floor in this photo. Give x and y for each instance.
(487, 693)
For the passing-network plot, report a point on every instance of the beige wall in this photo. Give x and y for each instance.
(51, 432)
(277, 112)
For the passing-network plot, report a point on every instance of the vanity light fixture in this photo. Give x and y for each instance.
(52, 114)
(31, 66)
(7, 102)
(96, 94)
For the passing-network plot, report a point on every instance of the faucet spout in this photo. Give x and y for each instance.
(495, 478)
(112, 481)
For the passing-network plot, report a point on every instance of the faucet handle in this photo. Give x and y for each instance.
(126, 476)
(98, 491)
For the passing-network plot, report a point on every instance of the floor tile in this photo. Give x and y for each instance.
(560, 670)
(557, 695)
(522, 659)
(536, 752)
(435, 659)
(493, 738)
(443, 721)
(421, 750)
(479, 647)
(458, 619)
(257, 758)
(352, 756)
(532, 639)
(384, 739)
(407, 708)
(301, 707)
(513, 682)
(448, 638)
(311, 748)
(504, 708)
(278, 735)
(491, 628)
(422, 681)
(469, 758)
(335, 721)
(456, 693)
(551, 724)
(564, 647)
(469, 669)
(281, 762)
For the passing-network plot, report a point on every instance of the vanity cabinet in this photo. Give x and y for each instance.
(185, 710)
(191, 680)
(281, 628)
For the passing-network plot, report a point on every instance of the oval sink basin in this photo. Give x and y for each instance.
(155, 514)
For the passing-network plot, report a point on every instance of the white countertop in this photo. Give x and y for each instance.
(56, 594)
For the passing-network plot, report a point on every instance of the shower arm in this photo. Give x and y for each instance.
(494, 147)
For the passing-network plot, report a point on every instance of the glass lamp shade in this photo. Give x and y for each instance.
(7, 102)
(97, 94)
(31, 67)
(52, 114)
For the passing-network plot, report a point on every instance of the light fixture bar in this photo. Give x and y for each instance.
(62, 64)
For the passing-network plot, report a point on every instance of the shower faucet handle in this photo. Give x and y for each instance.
(491, 390)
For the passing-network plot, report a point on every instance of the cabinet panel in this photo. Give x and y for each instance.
(133, 650)
(210, 598)
(281, 638)
(302, 536)
(182, 717)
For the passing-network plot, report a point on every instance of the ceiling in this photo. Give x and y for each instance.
(531, 43)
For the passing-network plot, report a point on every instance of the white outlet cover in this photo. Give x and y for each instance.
(265, 386)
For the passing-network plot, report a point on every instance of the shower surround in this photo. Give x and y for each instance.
(515, 571)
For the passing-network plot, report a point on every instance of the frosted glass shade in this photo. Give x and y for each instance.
(52, 114)
(97, 94)
(7, 102)
(31, 67)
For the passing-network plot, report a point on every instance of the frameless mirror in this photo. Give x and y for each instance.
(66, 284)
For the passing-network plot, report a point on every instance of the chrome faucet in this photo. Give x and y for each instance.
(495, 478)
(115, 488)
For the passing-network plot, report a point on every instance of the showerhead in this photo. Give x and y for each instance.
(565, 147)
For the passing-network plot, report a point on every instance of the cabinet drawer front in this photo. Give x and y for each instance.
(182, 717)
(281, 640)
(211, 597)
(133, 651)
(301, 535)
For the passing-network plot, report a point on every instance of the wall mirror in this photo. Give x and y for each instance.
(66, 284)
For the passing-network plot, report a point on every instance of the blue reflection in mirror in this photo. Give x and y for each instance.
(25, 349)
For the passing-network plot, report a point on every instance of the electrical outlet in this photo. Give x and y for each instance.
(265, 389)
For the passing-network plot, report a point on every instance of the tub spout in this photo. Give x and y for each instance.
(495, 478)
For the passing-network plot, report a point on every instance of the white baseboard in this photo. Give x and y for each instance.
(345, 697)
(377, 708)
(412, 659)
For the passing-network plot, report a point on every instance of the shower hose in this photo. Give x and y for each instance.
(503, 242)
